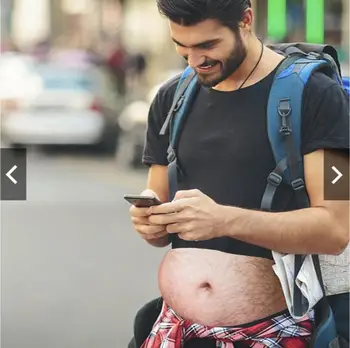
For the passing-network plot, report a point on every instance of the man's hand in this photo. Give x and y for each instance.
(192, 214)
(148, 231)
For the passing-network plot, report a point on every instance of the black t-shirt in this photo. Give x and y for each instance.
(224, 148)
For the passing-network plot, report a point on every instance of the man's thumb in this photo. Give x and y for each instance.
(150, 193)
(187, 194)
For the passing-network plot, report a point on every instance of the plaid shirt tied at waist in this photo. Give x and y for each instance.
(171, 331)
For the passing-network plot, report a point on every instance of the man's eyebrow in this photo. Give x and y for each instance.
(200, 44)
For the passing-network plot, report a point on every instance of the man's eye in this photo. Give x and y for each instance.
(206, 46)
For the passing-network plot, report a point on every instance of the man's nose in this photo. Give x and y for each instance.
(195, 59)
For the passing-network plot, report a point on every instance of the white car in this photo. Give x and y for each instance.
(66, 110)
(17, 76)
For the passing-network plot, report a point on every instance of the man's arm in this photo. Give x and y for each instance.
(156, 157)
(158, 183)
(321, 229)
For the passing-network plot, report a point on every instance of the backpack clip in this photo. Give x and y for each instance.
(314, 55)
(179, 103)
(171, 154)
(298, 184)
(284, 110)
(274, 179)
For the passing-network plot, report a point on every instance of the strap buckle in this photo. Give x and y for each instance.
(171, 154)
(179, 103)
(274, 179)
(298, 184)
(313, 55)
(284, 110)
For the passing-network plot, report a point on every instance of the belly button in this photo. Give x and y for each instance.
(205, 286)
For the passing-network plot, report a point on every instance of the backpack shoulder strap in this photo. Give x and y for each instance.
(284, 114)
(183, 84)
(284, 125)
(346, 84)
(284, 131)
(183, 98)
(185, 91)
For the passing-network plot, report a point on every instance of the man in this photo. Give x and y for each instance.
(217, 282)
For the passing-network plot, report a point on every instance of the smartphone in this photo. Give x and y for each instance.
(142, 201)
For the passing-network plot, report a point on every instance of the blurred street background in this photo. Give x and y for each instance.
(76, 81)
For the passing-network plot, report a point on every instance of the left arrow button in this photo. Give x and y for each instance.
(13, 174)
(8, 174)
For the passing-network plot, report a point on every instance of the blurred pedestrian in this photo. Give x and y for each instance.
(117, 62)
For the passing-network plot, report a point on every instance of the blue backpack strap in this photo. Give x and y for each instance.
(346, 84)
(182, 85)
(325, 332)
(185, 92)
(284, 131)
(284, 125)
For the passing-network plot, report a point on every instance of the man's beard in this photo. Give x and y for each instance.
(227, 66)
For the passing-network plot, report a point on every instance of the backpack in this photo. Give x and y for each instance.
(283, 120)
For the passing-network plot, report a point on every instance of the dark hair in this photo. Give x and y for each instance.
(190, 12)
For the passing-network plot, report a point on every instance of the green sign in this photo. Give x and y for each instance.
(277, 20)
(315, 21)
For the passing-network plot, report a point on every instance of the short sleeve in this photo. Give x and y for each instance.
(156, 146)
(325, 123)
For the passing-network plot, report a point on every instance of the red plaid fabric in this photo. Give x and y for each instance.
(171, 331)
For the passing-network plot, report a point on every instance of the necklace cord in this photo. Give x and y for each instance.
(256, 65)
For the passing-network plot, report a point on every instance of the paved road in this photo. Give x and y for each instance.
(73, 270)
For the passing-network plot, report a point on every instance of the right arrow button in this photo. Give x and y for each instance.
(339, 175)
(336, 175)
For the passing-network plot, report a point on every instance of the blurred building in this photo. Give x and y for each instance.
(318, 21)
(146, 31)
(137, 25)
(76, 23)
(29, 20)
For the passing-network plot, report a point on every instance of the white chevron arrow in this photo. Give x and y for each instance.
(8, 174)
(339, 175)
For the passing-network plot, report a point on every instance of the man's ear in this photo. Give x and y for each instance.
(246, 23)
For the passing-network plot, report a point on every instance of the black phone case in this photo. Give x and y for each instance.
(144, 202)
